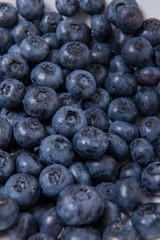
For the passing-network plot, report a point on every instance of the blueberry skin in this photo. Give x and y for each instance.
(49, 22)
(72, 30)
(90, 142)
(29, 9)
(119, 38)
(79, 205)
(142, 152)
(105, 168)
(147, 101)
(129, 194)
(101, 28)
(23, 29)
(53, 179)
(151, 30)
(66, 99)
(74, 55)
(67, 8)
(130, 169)
(28, 163)
(125, 130)
(9, 211)
(117, 147)
(5, 39)
(68, 120)
(148, 76)
(23, 188)
(8, 15)
(41, 102)
(28, 132)
(34, 48)
(15, 49)
(99, 72)
(123, 109)
(100, 99)
(47, 74)
(120, 84)
(101, 53)
(7, 166)
(117, 64)
(80, 173)
(92, 7)
(5, 133)
(81, 84)
(106, 191)
(51, 40)
(53, 56)
(40, 235)
(56, 149)
(137, 52)
(156, 146)
(156, 56)
(77, 233)
(145, 220)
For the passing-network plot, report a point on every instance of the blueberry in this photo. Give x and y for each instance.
(53, 56)
(148, 76)
(67, 8)
(5, 133)
(49, 130)
(8, 15)
(51, 40)
(130, 169)
(101, 53)
(99, 72)
(156, 56)
(79, 205)
(56, 149)
(40, 236)
(49, 22)
(53, 179)
(5, 39)
(92, 7)
(15, 49)
(7, 166)
(66, 99)
(117, 64)
(80, 173)
(106, 191)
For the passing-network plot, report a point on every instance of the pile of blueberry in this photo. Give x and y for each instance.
(79, 121)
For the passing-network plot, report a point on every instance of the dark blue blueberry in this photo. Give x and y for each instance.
(79, 205)
(92, 7)
(72, 30)
(53, 56)
(156, 56)
(148, 76)
(40, 236)
(28, 132)
(47, 74)
(117, 64)
(90, 142)
(67, 8)
(130, 169)
(80, 173)
(157, 147)
(104, 168)
(51, 40)
(15, 49)
(8, 15)
(68, 120)
(101, 53)
(49, 130)
(123, 109)
(6, 39)
(5, 133)
(66, 99)
(34, 48)
(119, 38)
(9, 211)
(49, 22)
(54, 178)
(99, 72)
(145, 220)
(56, 149)
(147, 101)
(81, 84)
(28, 163)
(74, 55)
(30, 9)
(100, 99)
(121, 84)
(106, 191)
(125, 130)
(151, 30)
(23, 29)
(129, 194)
(23, 188)
(41, 102)
(7, 166)
(137, 52)
(142, 152)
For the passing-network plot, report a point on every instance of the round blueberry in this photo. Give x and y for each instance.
(148, 76)
(99, 72)
(80, 173)
(5, 133)
(130, 169)
(101, 53)
(67, 8)
(92, 7)
(7, 166)
(49, 22)
(8, 15)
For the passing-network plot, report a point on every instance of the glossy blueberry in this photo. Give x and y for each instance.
(80, 173)
(8, 15)
(130, 169)
(68, 120)
(41, 102)
(74, 55)
(29, 9)
(100, 99)
(51, 40)
(79, 205)
(34, 48)
(5, 39)
(147, 101)
(66, 99)
(40, 236)
(101, 53)
(7, 166)
(145, 220)
(5, 133)
(125, 130)
(53, 179)
(49, 22)
(117, 64)
(56, 149)
(67, 8)
(142, 152)
(104, 168)
(53, 56)
(99, 72)
(92, 7)
(137, 52)
(148, 76)
(23, 188)
(23, 29)
(106, 191)
(119, 38)
(49, 130)
(156, 56)
(129, 194)
(15, 49)
(123, 109)
(9, 211)
(28, 132)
